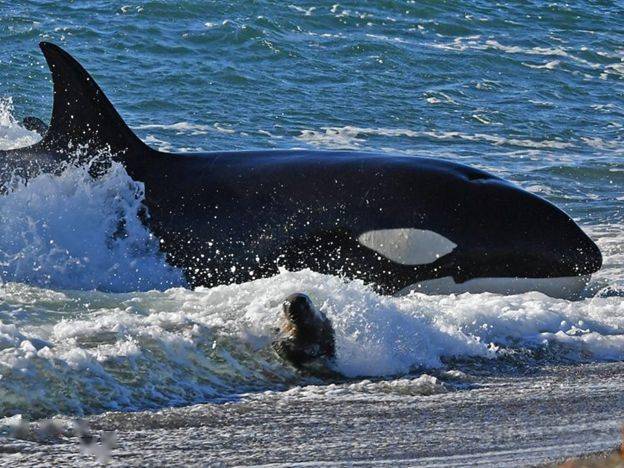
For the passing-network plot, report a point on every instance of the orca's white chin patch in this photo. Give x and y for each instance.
(407, 246)
(566, 287)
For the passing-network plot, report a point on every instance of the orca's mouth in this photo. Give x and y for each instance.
(562, 273)
(415, 256)
(569, 287)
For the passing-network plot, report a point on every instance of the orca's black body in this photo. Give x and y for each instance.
(233, 216)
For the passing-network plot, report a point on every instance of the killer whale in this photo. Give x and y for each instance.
(398, 222)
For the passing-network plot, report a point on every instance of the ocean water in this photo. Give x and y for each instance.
(93, 323)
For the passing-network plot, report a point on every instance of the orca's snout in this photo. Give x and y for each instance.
(523, 235)
(561, 241)
(583, 256)
(564, 248)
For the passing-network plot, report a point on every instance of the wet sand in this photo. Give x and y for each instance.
(523, 418)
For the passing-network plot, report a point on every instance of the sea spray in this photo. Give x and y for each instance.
(12, 135)
(74, 231)
(71, 231)
(85, 352)
(82, 338)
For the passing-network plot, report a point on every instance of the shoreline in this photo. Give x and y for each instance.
(546, 418)
(607, 459)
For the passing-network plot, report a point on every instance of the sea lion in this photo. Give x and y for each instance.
(305, 338)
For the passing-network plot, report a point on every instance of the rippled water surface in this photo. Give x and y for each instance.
(532, 91)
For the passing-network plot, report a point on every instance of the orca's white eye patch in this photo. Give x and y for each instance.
(407, 246)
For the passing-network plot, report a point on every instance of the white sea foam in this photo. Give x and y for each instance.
(76, 352)
(439, 97)
(610, 240)
(187, 128)
(12, 135)
(355, 137)
(615, 69)
(388, 389)
(305, 11)
(548, 65)
(125, 9)
(73, 231)
(478, 43)
(141, 350)
(180, 346)
(181, 128)
(157, 143)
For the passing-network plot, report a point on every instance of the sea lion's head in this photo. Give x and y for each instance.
(305, 337)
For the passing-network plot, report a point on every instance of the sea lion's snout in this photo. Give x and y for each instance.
(305, 337)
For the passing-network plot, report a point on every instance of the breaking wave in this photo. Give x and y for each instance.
(74, 340)
(71, 231)
(77, 353)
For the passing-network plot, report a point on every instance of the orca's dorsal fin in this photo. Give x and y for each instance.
(82, 115)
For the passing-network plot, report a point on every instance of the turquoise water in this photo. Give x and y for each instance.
(531, 91)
